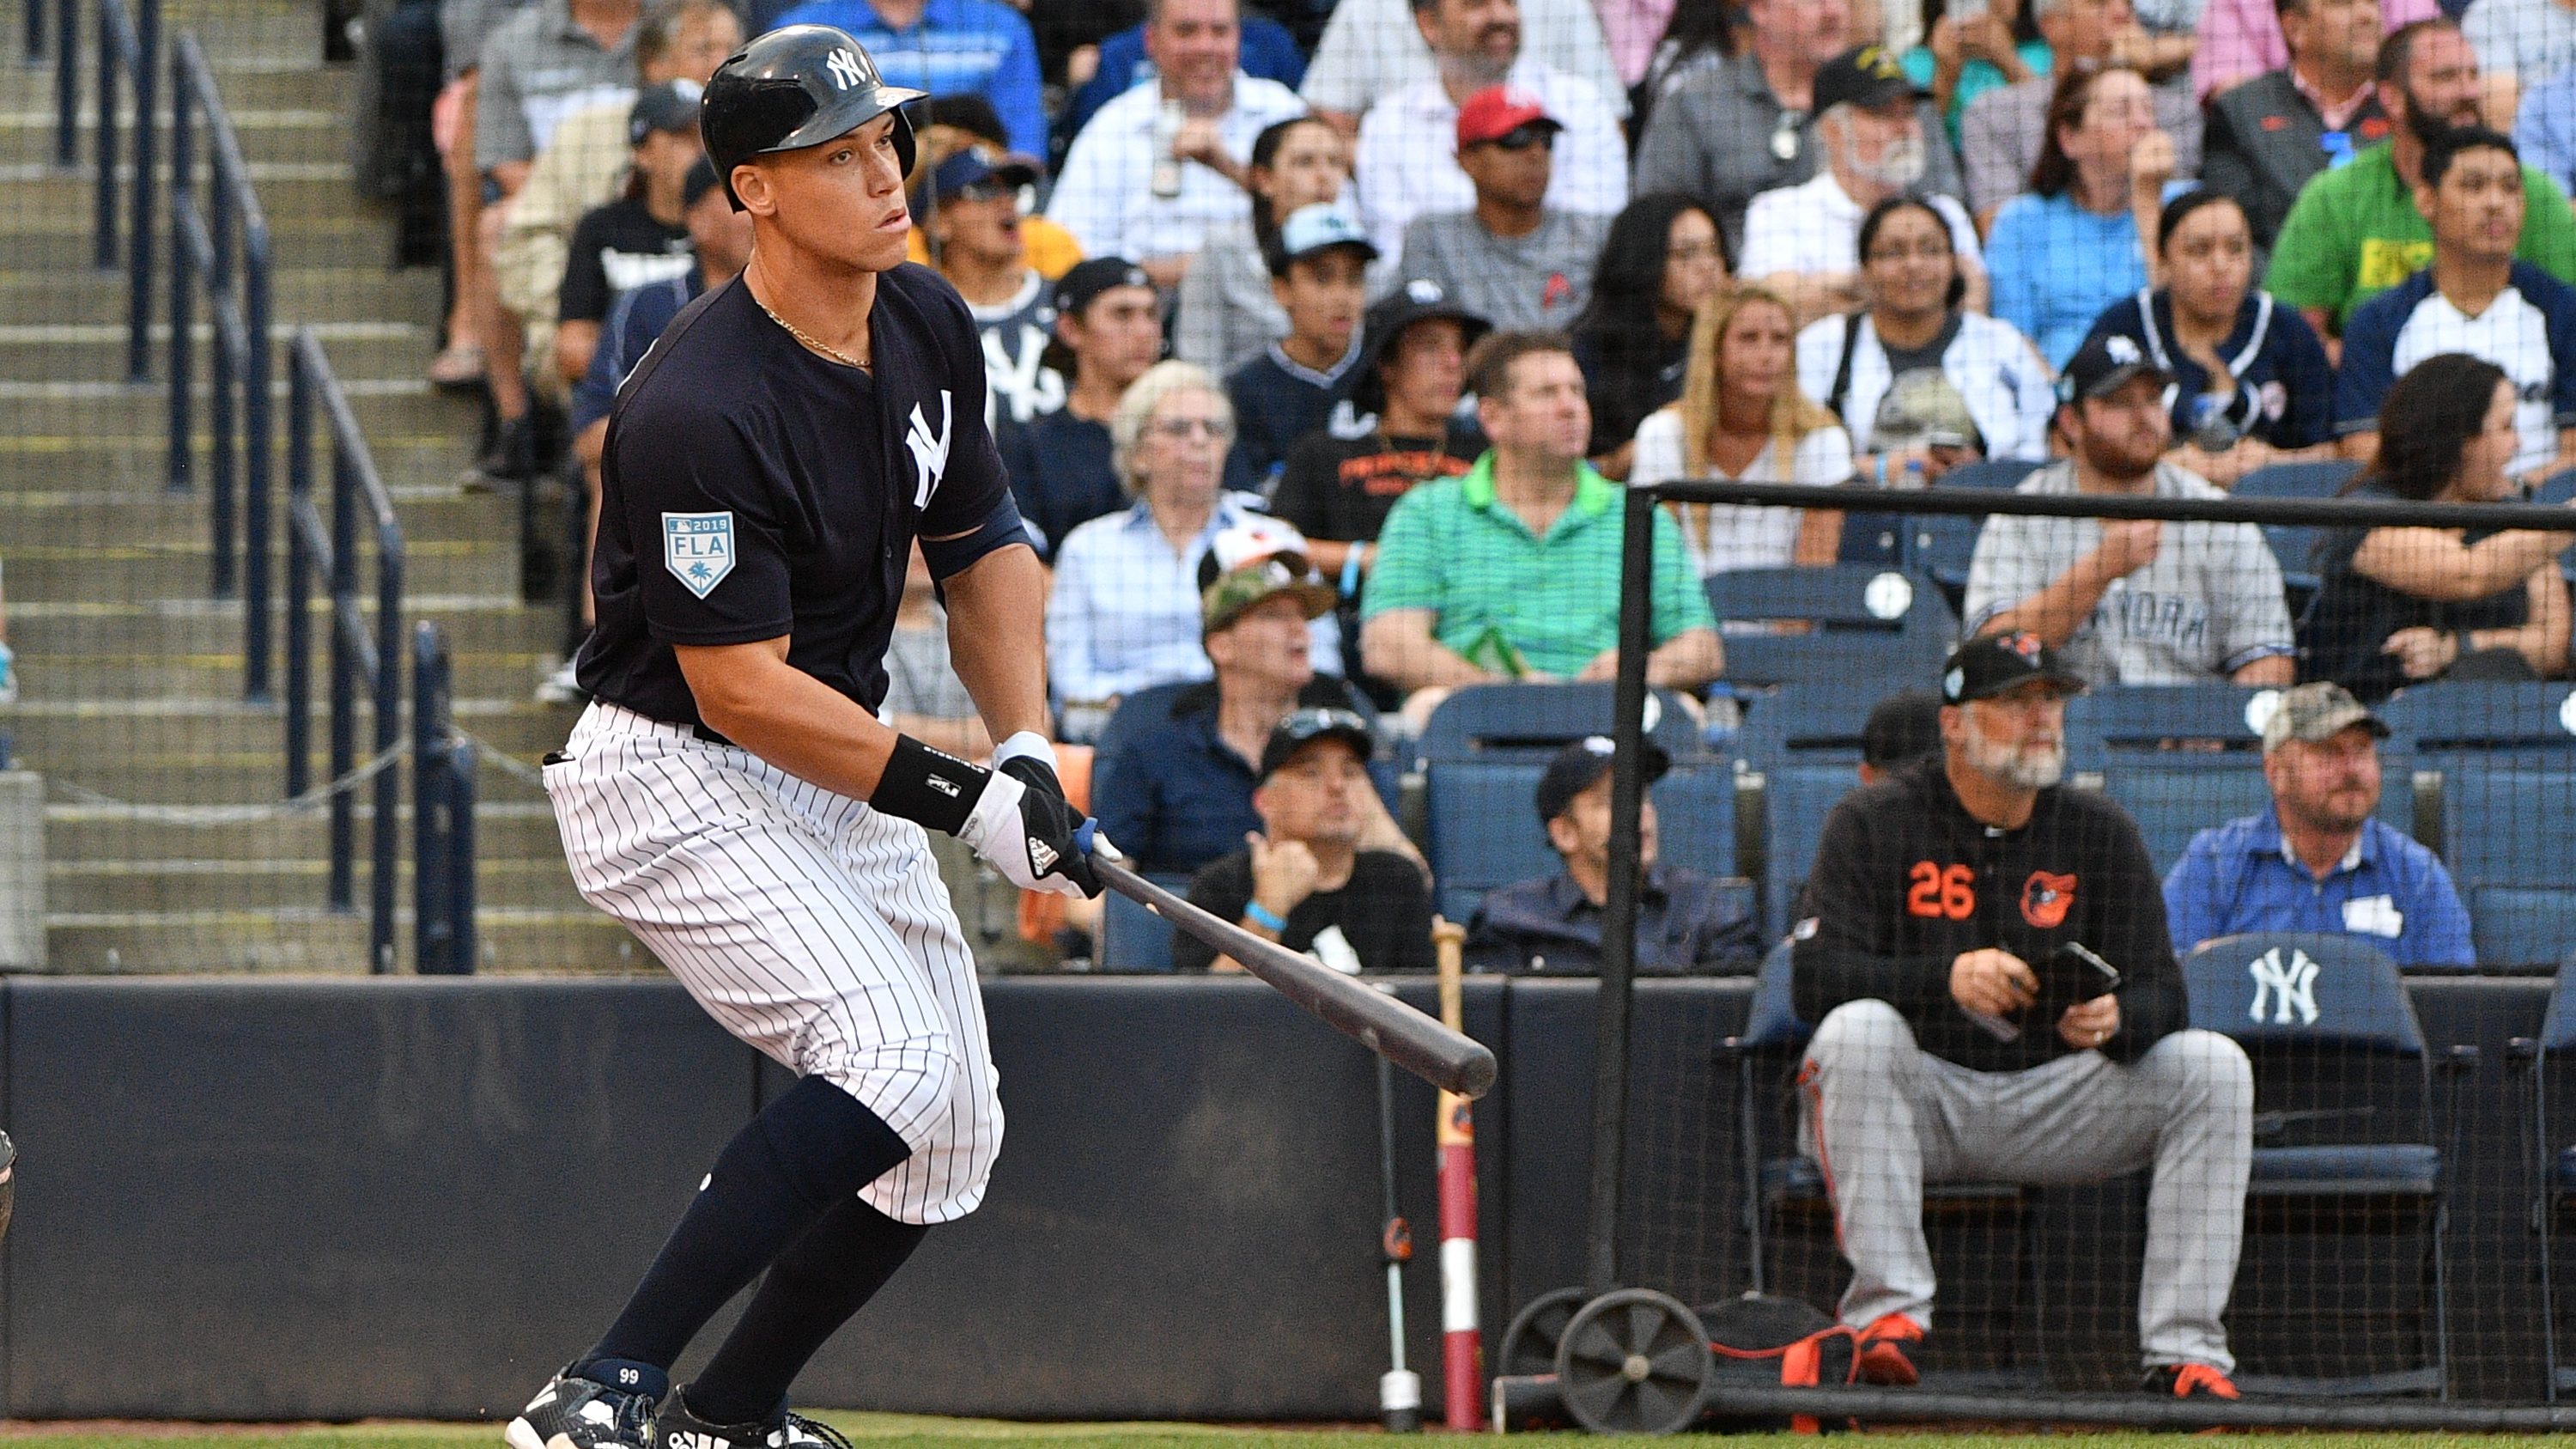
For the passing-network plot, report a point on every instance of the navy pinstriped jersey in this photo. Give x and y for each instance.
(751, 489)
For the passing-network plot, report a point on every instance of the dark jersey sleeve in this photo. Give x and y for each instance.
(976, 488)
(584, 295)
(1846, 932)
(2128, 929)
(705, 492)
(1305, 496)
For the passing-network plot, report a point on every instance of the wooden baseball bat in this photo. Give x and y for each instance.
(1462, 1355)
(1446, 1059)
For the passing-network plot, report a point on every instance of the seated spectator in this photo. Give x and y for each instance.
(1962, 58)
(2266, 138)
(2396, 606)
(2075, 242)
(8, 660)
(1512, 572)
(1901, 729)
(1269, 52)
(1733, 131)
(1337, 491)
(1938, 898)
(1319, 276)
(720, 243)
(946, 48)
(2242, 39)
(2473, 298)
(1227, 313)
(2003, 136)
(1373, 49)
(2252, 384)
(969, 206)
(1552, 925)
(1802, 241)
(589, 156)
(945, 125)
(2529, 40)
(1412, 158)
(1179, 794)
(1515, 260)
(1662, 259)
(1308, 879)
(2355, 231)
(1108, 330)
(1128, 189)
(548, 60)
(2320, 859)
(1921, 386)
(2130, 601)
(1743, 419)
(638, 239)
(1125, 610)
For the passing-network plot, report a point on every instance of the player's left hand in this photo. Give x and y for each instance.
(2086, 1025)
(1022, 825)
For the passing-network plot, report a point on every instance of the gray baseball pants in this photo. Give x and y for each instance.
(1882, 1117)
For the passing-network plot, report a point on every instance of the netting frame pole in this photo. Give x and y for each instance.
(1617, 987)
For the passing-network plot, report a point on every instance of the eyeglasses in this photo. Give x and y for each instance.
(1180, 429)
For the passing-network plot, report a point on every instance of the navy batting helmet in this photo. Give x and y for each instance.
(794, 87)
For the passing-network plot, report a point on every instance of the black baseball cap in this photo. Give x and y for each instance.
(1303, 727)
(1867, 76)
(671, 106)
(2105, 364)
(1083, 282)
(702, 178)
(1985, 667)
(1901, 728)
(1582, 762)
(1416, 301)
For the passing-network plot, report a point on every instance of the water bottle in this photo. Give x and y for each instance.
(1167, 167)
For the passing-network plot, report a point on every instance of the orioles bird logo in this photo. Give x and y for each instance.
(2023, 643)
(2045, 899)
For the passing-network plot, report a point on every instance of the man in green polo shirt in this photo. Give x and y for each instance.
(2354, 231)
(1512, 572)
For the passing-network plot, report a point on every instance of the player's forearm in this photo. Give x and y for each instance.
(995, 641)
(752, 696)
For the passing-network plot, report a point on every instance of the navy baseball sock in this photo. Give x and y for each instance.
(806, 1153)
(813, 1288)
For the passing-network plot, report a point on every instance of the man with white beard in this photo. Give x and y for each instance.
(1803, 241)
(1942, 956)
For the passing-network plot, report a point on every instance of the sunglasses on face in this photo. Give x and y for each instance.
(1521, 138)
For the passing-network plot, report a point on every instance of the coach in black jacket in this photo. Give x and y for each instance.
(1948, 890)
(2264, 139)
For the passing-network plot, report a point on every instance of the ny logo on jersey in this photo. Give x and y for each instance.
(2291, 987)
(929, 451)
(698, 549)
(844, 68)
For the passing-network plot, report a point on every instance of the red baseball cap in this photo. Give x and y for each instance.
(1496, 112)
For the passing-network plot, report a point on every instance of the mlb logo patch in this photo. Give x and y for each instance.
(698, 549)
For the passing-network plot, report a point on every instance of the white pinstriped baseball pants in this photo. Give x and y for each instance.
(807, 924)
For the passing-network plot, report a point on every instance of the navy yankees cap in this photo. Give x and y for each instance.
(1985, 667)
(1082, 283)
(702, 178)
(1582, 762)
(967, 168)
(671, 106)
(1416, 301)
(1303, 727)
(2104, 365)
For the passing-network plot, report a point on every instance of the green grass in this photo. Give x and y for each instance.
(907, 1431)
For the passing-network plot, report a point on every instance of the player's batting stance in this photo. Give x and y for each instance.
(730, 794)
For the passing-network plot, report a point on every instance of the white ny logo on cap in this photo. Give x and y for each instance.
(844, 67)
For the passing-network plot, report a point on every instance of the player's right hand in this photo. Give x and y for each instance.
(1995, 982)
(1028, 835)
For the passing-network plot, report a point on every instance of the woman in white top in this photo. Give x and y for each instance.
(1954, 362)
(1742, 419)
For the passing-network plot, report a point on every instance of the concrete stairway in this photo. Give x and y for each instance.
(132, 670)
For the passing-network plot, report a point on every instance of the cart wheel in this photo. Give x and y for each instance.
(1529, 1345)
(1634, 1362)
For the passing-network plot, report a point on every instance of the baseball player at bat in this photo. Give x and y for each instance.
(730, 794)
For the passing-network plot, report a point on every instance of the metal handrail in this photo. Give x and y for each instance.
(129, 47)
(221, 248)
(330, 551)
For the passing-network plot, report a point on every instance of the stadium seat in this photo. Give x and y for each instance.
(1132, 938)
(2294, 545)
(2551, 1163)
(2519, 927)
(2153, 719)
(1989, 473)
(1787, 1216)
(1533, 721)
(2347, 1174)
(1485, 831)
(1850, 621)
(2490, 719)
(1803, 742)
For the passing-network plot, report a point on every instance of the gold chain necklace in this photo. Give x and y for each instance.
(834, 353)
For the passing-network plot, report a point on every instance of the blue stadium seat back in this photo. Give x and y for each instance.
(1533, 721)
(2175, 796)
(1873, 538)
(1940, 546)
(1819, 721)
(2004, 473)
(1132, 938)
(1136, 714)
(2522, 926)
(1771, 1018)
(2507, 823)
(2528, 721)
(2206, 721)
(1865, 623)
(1695, 817)
(2294, 551)
(1485, 832)
(2297, 480)
(2558, 1023)
(2304, 992)
(1796, 798)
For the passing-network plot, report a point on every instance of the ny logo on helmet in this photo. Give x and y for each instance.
(844, 66)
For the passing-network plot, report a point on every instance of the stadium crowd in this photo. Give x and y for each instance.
(1322, 338)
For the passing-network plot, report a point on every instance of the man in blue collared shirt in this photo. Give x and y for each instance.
(2319, 859)
(945, 47)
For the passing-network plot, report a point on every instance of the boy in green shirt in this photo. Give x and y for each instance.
(2354, 231)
